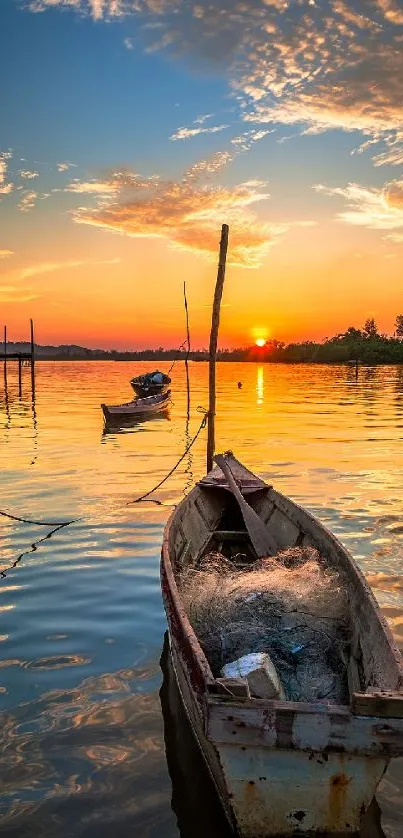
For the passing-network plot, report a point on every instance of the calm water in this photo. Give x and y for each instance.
(81, 618)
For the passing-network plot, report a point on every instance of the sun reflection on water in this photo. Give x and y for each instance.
(260, 385)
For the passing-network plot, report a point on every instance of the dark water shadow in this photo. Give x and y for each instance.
(194, 798)
(133, 425)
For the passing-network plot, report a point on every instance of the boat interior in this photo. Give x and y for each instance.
(210, 520)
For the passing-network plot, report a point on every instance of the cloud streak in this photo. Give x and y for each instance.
(26, 174)
(187, 133)
(64, 167)
(187, 212)
(380, 209)
(29, 199)
(50, 267)
(5, 254)
(5, 186)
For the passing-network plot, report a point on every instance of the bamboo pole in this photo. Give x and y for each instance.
(187, 352)
(5, 356)
(215, 322)
(32, 359)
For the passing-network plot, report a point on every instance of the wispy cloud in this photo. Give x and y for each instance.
(4, 254)
(187, 133)
(26, 174)
(381, 209)
(128, 42)
(319, 66)
(50, 267)
(245, 141)
(5, 186)
(64, 167)
(10, 294)
(188, 212)
(91, 186)
(29, 199)
(98, 9)
(397, 238)
(203, 118)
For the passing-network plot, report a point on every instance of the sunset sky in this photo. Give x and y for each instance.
(132, 129)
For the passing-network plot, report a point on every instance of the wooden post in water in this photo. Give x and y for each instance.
(20, 377)
(187, 352)
(32, 359)
(5, 356)
(215, 322)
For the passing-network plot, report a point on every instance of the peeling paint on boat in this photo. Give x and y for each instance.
(282, 768)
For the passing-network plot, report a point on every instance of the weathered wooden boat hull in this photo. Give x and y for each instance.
(142, 392)
(137, 410)
(273, 792)
(283, 767)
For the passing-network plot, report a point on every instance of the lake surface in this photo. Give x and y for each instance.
(81, 618)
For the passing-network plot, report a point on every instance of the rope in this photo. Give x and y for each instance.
(182, 346)
(58, 525)
(186, 451)
(34, 547)
(39, 523)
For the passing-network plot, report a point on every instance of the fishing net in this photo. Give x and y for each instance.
(291, 606)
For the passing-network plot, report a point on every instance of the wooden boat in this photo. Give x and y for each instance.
(137, 409)
(150, 384)
(280, 767)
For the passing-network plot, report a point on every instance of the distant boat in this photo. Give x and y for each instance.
(138, 409)
(150, 384)
(281, 767)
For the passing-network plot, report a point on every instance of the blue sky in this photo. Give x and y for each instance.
(131, 129)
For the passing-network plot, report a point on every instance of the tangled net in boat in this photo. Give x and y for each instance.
(290, 605)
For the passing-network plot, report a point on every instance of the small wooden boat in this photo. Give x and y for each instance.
(137, 409)
(150, 384)
(280, 767)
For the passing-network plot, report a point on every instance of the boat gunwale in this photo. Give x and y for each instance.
(169, 582)
(155, 401)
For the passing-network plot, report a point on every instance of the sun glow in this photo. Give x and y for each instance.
(260, 342)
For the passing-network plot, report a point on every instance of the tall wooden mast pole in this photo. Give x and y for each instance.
(215, 322)
(32, 358)
(187, 353)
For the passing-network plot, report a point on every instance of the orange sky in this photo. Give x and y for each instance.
(124, 304)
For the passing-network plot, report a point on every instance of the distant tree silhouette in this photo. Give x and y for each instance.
(370, 328)
(399, 326)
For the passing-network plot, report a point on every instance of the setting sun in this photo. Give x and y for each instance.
(260, 342)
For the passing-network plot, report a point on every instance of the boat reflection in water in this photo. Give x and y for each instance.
(194, 798)
(133, 425)
(195, 801)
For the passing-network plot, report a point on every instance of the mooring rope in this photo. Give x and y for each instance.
(186, 451)
(58, 525)
(182, 346)
(34, 547)
(39, 523)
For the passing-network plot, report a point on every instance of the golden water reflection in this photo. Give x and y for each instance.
(260, 385)
(81, 612)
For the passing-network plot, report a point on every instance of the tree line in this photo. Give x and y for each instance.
(366, 345)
